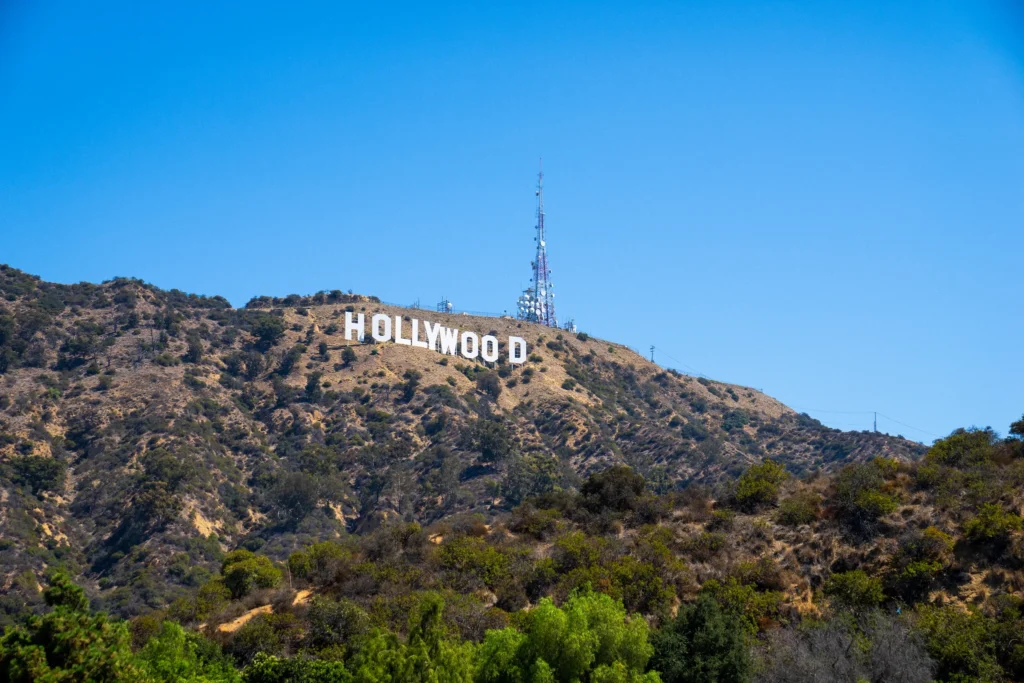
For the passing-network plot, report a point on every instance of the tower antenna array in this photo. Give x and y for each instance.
(537, 304)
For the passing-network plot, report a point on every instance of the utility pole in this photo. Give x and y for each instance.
(652, 353)
(876, 422)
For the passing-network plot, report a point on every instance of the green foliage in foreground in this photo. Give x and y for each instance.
(67, 644)
(590, 638)
(704, 644)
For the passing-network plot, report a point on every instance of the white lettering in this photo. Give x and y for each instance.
(449, 340)
(516, 350)
(433, 333)
(375, 327)
(358, 327)
(489, 348)
(399, 339)
(466, 351)
(416, 335)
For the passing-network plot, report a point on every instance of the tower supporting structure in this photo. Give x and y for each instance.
(537, 303)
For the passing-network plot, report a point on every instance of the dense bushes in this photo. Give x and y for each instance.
(69, 643)
(991, 524)
(588, 638)
(861, 496)
(802, 507)
(854, 589)
(244, 572)
(36, 473)
(759, 485)
(703, 643)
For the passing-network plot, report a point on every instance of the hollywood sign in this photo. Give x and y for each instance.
(437, 337)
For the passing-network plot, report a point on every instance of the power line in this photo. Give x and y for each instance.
(876, 413)
(904, 424)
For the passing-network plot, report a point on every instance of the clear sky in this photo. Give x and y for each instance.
(822, 199)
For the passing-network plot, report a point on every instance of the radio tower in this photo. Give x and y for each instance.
(537, 304)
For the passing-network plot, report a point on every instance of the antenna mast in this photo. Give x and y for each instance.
(537, 304)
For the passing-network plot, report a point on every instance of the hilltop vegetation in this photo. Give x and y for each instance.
(892, 572)
(257, 497)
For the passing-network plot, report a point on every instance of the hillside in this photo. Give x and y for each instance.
(308, 506)
(141, 427)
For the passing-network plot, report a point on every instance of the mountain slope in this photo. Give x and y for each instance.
(143, 432)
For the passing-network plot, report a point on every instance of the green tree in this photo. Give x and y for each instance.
(270, 669)
(802, 507)
(488, 383)
(37, 473)
(321, 563)
(854, 589)
(491, 438)
(590, 638)
(860, 496)
(174, 655)
(992, 524)
(962, 643)
(268, 330)
(348, 356)
(245, 571)
(758, 486)
(430, 656)
(314, 392)
(1017, 428)
(69, 644)
(703, 644)
(194, 354)
(616, 488)
(963, 448)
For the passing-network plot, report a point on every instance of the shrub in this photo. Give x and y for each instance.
(872, 647)
(194, 354)
(962, 643)
(962, 448)
(759, 485)
(920, 558)
(244, 571)
(854, 589)
(802, 507)
(334, 623)
(166, 360)
(466, 555)
(590, 638)
(321, 564)
(268, 330)
(488, 383)
(37, 473)
(70, 643)
(703, 643)
(267, 668)
(859, 498)
(992, 523)
(616, 488)
(757, 609)
(705, 545)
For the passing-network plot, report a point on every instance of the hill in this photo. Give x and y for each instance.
(338, 506)
(137, 422)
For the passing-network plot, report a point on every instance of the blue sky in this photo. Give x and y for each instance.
(822, 200)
